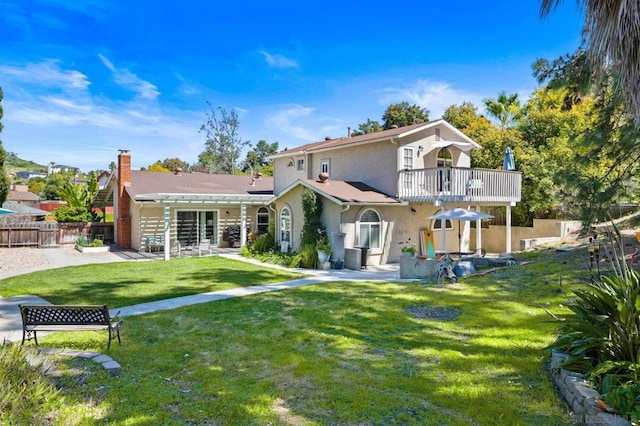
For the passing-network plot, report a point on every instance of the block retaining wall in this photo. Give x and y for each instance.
(580, 397)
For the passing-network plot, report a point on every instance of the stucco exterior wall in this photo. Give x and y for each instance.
(286, 174)
(373, 164)
(293, 200)
(494, 237)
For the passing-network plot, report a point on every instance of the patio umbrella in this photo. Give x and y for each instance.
(508, 163)
(459, 214)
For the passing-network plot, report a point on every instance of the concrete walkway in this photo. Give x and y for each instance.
(11, 323)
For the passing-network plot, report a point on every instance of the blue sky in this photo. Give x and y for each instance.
(82, 79)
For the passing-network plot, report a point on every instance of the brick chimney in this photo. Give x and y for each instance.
(123, 212)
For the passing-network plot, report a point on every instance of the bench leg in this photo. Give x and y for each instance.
(28, 335)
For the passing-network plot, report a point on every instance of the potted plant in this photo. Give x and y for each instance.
(408, 249)
(323, 247)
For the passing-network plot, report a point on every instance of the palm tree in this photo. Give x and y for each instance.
(504, 109)
(612, 31)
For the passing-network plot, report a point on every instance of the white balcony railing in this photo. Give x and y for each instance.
(459, 184)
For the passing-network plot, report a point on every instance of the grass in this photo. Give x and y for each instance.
(128, 283)
(338, 353)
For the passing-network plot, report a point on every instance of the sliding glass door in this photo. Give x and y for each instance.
(193, 226)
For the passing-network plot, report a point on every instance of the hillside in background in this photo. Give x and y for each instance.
(15, 164)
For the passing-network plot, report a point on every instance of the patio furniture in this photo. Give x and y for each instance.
(155, 242)
(203, 247)
(68, 318)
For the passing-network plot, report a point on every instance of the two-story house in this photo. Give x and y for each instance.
(378, 190)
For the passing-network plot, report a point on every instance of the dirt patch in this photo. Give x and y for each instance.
(21, 258)
(439, 313)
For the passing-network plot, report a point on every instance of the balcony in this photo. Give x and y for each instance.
(455, 184)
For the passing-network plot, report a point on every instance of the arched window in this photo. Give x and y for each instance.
(285, 224)
(369, 229)
(262, 220)
(445, 159)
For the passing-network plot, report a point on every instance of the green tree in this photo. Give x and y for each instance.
(158, 167)
(173, 164)
(612, 37)
(223, 142)
(4, 179)
(36, 185)
(403, 114)
(604, 162)
(258, 158)
(371, 126)
(505, 108)
(78, 196)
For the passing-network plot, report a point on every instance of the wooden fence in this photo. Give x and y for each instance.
(53, 234)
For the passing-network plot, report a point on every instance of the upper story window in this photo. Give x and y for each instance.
(407, 159)
(325, 167)
(369, 229)
(300, 164)
(437, 134)
(290, 163)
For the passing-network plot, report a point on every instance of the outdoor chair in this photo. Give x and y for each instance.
(176, 248)
(204, 246)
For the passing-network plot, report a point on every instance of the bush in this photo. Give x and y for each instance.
(25, 392)
(601, 335)
(263, 244)
(307, 256)
(73, 215)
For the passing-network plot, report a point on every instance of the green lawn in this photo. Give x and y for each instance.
(338, 353)
(129, 283)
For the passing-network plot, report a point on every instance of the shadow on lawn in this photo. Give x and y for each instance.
(126, 292)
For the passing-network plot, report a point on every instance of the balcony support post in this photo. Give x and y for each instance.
(508, 228)
(478, 231)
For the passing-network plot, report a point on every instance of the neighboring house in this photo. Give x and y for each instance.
(26, 175)
(379, 189)
(155, 208)
(57, 168)
(19, 194)
(24, 210)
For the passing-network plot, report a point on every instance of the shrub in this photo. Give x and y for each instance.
(264, 243)
(73, 214)
(601, 335)
(24, 389)
(307, 256)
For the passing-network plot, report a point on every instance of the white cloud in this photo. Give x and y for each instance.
(302, 124)
(130, 81)
(435, 96)
(47, 74)
(279, 61)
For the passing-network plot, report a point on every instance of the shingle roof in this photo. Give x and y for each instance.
(352, 192)
(22, 196)
(144, 182)
(333, 143)
(24, 210)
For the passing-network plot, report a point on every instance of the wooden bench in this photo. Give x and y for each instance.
(68, 318)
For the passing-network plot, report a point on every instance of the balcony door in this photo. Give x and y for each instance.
(444, 163)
